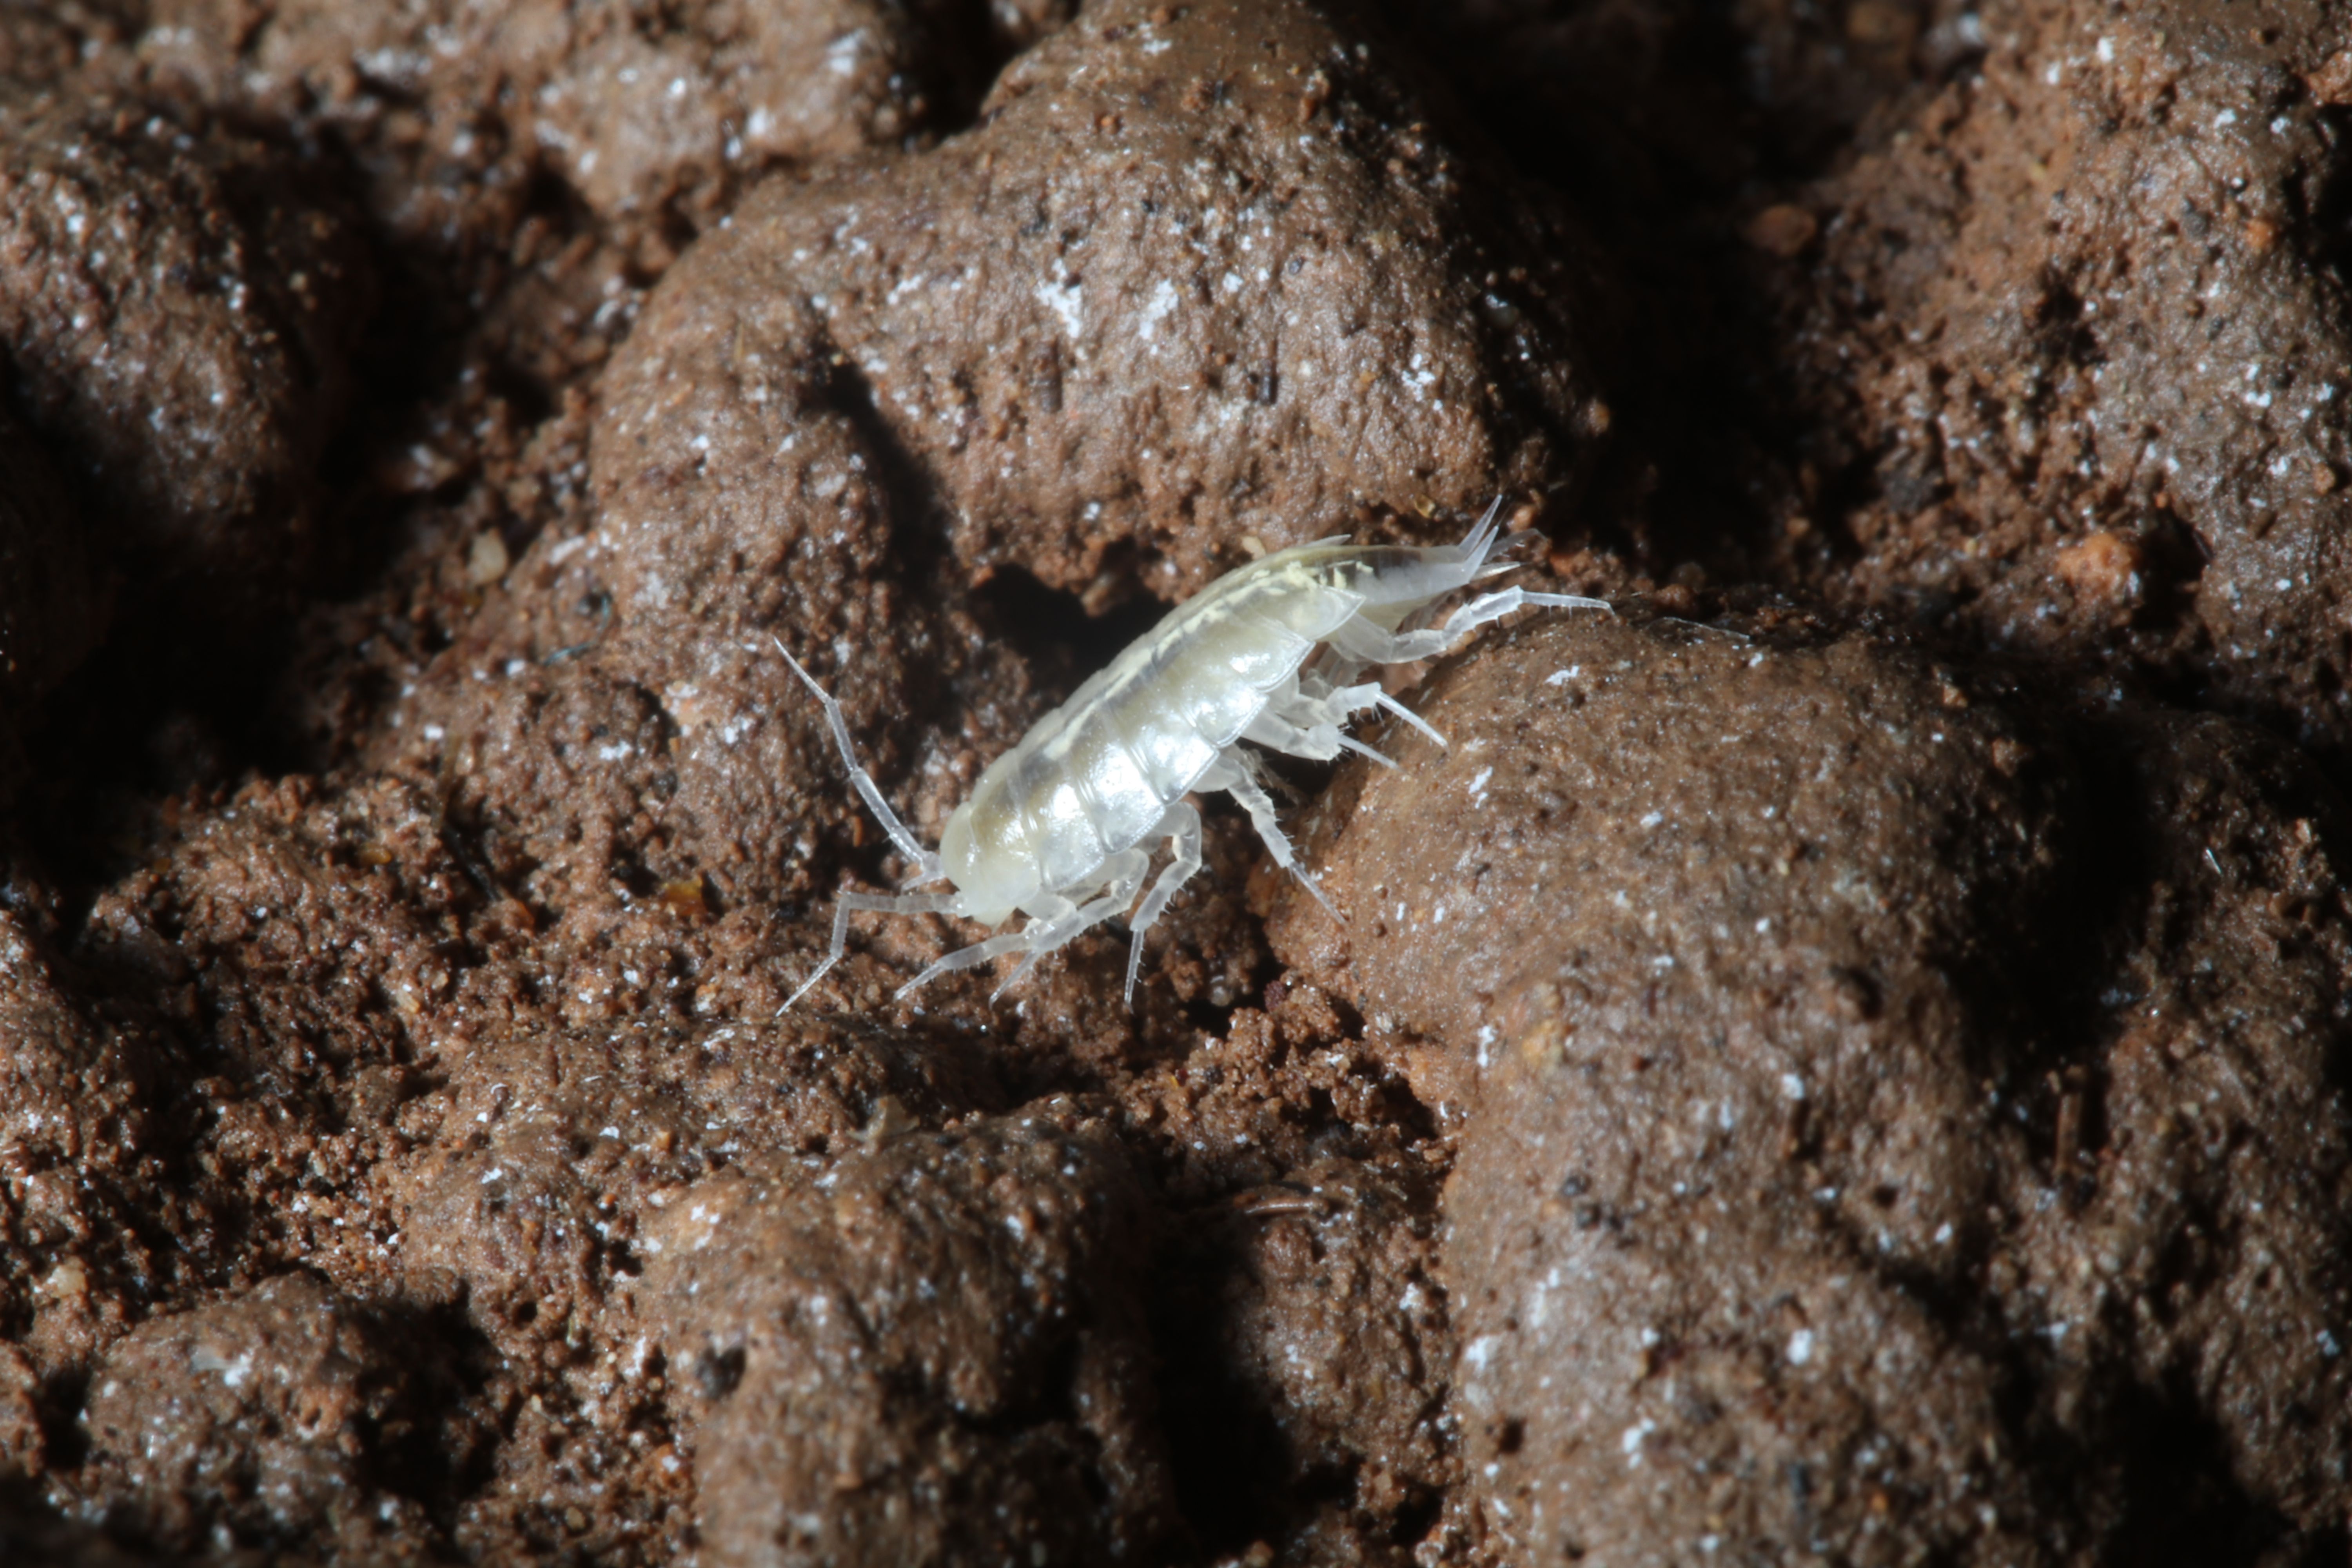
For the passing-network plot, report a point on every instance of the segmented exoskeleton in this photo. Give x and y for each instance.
(1057, 827)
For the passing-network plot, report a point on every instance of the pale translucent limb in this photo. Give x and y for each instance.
(1413, 719)
(1304, 723)
(1340, 703)
(1360, 638)
(1363, 639)
(1344, 702)
(883, 903)
(1231, 772)
(1494, 606)
(1052, 907)
(1182, 828)
(1121, 874)
(926, 863)
(1315, 742)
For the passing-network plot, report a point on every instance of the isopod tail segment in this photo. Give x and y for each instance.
(1059, 827)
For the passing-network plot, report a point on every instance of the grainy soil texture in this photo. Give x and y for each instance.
(1846, 1059)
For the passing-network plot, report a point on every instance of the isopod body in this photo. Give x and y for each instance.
(1057, 828)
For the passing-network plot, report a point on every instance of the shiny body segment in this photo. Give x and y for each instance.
(1056, 828)
(1095, 775)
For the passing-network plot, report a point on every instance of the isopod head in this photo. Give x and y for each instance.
(990, 886)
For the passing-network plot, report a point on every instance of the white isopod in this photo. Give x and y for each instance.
(1056, 828)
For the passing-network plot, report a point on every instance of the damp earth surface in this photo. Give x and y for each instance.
(1840, 1059)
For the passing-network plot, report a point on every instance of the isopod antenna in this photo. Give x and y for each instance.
(926, 863)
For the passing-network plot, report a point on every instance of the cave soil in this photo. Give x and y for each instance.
(1841, 1058)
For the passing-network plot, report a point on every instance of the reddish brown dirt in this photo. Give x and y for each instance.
(1841, 1060)
(1910, 1095)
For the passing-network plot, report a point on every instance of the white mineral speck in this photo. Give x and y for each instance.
(1156, 309)
(1630, 1443)
(1066, 300)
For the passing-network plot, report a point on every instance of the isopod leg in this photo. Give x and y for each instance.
(1231, 773)
(1122, 874)
(1182, 828)
(1413, 719)
(1503, 601)
(1351, 700)
(1318, 740)
(926, 863)
(970, 957)
(1363, 639)
(1306, 723)
(849, 904)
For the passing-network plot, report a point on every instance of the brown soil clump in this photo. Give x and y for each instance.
(1182, 267)
(258, 1418)
(1857, 1120)
(2078, 326)
(931, 1354)
(176, 318)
